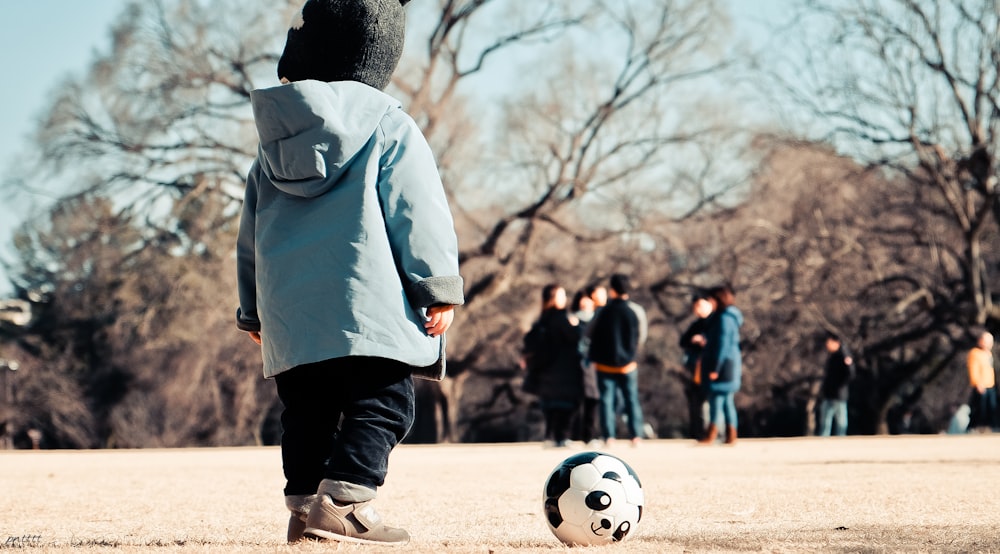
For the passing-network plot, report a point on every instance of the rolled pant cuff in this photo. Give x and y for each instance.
(345, 492)
(299, 502)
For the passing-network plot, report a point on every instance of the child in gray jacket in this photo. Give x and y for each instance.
(347, 263)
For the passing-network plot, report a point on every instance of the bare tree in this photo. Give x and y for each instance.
(583, 158)
(164, 115)
(821, 244)
(159, 132)
(158, 135)
(915, 88)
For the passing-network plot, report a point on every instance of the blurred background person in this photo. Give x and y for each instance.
(692, 343)
(617, 332)
(837, 375)
(583, 308)
(983, 398)
(722, 364)
(558, 376)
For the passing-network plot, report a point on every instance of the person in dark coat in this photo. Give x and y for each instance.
(692, 343)
(560, 379)
(583, 307)
(617, 332)
(837, 375)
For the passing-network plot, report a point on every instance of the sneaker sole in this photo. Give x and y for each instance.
(321, 534)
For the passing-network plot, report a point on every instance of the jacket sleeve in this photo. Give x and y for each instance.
(640, 314)
(849, 367)
(246, 271)
(728, 343)
(688, 335)
(570, 334)
(730, 339)
(417, 217)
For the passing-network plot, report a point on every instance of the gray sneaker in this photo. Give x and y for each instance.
(298, 505)
(296, 527)
(356, 523)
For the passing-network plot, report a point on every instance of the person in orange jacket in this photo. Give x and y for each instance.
(983, 382)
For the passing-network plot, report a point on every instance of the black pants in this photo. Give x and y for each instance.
(696, 398)
(984, 409)
(558, 415)
(341, 420)
(588, 420)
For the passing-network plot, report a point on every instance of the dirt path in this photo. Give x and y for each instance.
(873, 494)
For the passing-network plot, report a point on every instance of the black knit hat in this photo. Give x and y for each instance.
(345, 40)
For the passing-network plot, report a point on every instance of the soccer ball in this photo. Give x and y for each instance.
(592, 498)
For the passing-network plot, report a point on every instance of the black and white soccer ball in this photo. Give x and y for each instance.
(592, 498)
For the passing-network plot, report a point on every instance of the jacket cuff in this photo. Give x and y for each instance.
(245, 323)
(438, 290)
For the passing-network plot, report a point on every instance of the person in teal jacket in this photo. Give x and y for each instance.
(347, 263)
(721, 364)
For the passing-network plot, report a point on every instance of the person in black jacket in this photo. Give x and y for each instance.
(837, 375)
(692, 343)
(559, 379)
(584, 307)
(616, 333)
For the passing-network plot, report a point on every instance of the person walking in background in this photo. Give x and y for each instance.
(959, 422)
(560, 380)
(616, 334)
(347, 263)
(837, 375)
(722, 364)
(982, 379)
(583, 308)
(692, 343)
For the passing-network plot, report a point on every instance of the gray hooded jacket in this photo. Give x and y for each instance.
(346, 235)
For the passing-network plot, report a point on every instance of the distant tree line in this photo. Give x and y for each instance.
(873, 215)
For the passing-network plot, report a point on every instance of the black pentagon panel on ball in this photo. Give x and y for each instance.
(613, 476)
(552, 512)
(580, 459)
(558, 482)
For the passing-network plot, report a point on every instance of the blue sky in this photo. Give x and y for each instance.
(43, 41)
(40, 42)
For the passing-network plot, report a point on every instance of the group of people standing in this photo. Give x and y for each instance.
(581, 359)
(713, 361)
(712, 357)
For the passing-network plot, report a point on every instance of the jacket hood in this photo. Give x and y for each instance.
(735, 313)
(310, 131)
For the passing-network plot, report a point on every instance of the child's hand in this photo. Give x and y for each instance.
(254, 336)
(439, 319)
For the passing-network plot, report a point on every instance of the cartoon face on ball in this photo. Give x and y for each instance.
(592, 498)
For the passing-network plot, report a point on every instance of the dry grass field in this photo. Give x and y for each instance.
(865, 494)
